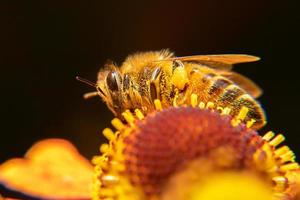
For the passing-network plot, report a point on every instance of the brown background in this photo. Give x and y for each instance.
(45, 44)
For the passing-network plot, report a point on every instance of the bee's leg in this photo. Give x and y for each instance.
(154, 84)
(155, 74)
(175, 97)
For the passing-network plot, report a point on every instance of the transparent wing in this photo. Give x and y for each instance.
(248, 85)
(223, 61)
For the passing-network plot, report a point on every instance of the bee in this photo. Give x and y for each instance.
(145, 77)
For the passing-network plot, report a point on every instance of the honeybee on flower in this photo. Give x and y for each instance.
(145, 77)
(177, 139)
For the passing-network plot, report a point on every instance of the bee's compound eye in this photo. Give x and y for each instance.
(113, 80)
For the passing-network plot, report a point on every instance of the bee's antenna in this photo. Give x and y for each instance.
(90, 83)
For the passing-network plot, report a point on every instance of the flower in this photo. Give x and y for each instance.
(179, 153)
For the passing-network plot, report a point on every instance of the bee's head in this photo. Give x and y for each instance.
(109, 87)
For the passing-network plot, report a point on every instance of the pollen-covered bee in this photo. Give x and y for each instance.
(144, 77)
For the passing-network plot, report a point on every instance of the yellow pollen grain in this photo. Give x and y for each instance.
(108, 134)
(243, 113)
(201, 105)
(117, 123)
(210, 105)
(277, 140)
(194, 100)
(250, 123)
(269, 135)
(139, 114)
(128, 116)
(157, 104)
(290, 166)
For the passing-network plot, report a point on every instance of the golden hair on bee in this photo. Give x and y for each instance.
(141, 60)
(146, 76)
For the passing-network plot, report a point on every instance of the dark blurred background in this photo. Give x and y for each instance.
(45, 44)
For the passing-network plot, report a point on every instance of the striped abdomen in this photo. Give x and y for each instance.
(225, 93)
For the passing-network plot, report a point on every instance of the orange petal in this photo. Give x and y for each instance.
(51, 169)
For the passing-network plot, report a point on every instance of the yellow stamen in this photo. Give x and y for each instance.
(104, 148)
(281, 151)
(269, 135)
(96, 160)
(277, 140)
(220, 109)
(99, 160)
(139, 114)
(290, 166)
(243, 113)
(157, 104)
(194, 100)
(235, 122)
(117, 123)
(288, 156)
(109, 134)
(210, 105)
(96, 183)
(201, 105)
(250, 123)
(128, 116)
(226, 111)
(98, 172)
